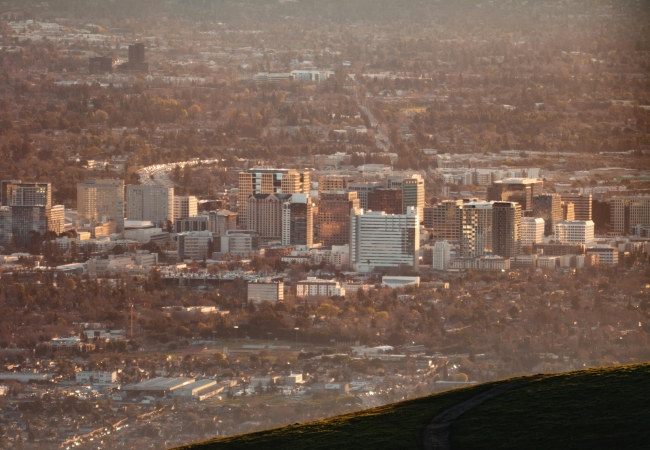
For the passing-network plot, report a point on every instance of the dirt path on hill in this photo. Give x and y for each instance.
(436, 435)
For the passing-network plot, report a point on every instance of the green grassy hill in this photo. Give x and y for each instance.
(597, 409)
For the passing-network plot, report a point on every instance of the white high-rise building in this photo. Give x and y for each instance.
(378, 239)
(441, 253)
(532, 230)
(153, 203)
(101, 201)
(185, 206)
(575, 232)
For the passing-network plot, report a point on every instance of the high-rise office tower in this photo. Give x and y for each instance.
(25, 220)
(153, 203)
(582, 205)
(5, 191)
(191, 224)
(602, 216)
(627, 212)
(6, 225)
(294, 182)
(185, 206)
(26, 194)
(427, 217)
(39, 219)
(333, 183)
(136, 53)
(520, 190)
(506, 227)
(532, 230)
(222, 221)
(378, 239)
(568, 211)
(56, 219)
(31, 210)
(490, 228)
(388, 200)
(334, 216)
(363, 190)
(136, 60)
(441, 254)
(298, 221)
(549, 208)
(101, 201)
(413, 188)
(468, 230)
(265, 215)
(264, 180)
(476, 229)
(444, 220)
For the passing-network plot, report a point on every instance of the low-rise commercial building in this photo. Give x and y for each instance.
(158, 387)
(575, 232)
(312, 287)
(194, 245)
(95, 377)
(607, 255)
(265, 290)
(396, 282)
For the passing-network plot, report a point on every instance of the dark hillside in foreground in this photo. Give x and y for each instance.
(596, 408)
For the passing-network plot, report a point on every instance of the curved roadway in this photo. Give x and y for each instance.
(436, 435)
(158, 174)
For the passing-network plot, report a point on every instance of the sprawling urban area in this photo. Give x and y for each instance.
(219, 217)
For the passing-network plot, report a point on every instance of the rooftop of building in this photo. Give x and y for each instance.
(159, 384)
(265, 196)
(314, 280)
(518, 181)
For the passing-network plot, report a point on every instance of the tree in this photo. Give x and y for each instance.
(461, 377)
(513, 312)
(327, 310)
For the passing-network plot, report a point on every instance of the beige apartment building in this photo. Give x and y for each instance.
(101, 201)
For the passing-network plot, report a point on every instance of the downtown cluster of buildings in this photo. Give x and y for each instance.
(520, 225)
(108, 214)
(372, 224)
(385, 224)
(361, 225)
